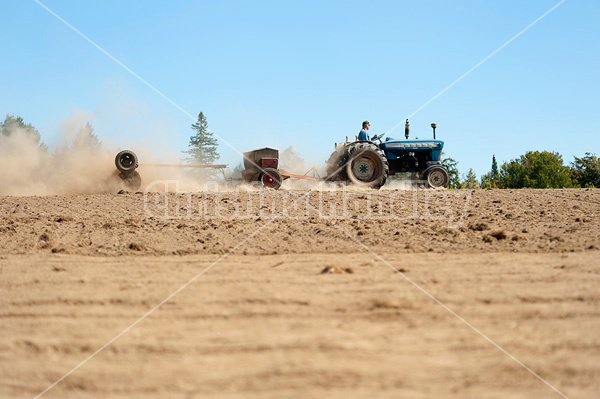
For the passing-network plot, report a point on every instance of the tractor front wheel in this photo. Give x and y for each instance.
(437, 176)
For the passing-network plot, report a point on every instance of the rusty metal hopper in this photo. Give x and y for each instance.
(253, 158)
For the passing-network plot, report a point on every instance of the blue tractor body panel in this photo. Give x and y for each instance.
(394, 149)
(411, 155)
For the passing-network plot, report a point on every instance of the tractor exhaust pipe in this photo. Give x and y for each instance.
(433, 126)
(406, 129)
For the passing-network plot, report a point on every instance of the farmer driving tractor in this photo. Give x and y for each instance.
(364, 132)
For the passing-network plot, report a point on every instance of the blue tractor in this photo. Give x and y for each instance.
(369, 163)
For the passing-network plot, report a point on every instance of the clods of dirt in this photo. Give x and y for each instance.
(337, 270)
(479, 226)
(135, 246)
(497, 235)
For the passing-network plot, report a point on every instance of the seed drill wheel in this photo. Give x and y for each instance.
(126, 161)
(132, 181)
(437, 176)
(367, 165)
(270, 178)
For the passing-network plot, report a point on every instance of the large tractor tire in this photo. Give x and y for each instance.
(126, 161)
(366, 165)
(437, 177)
(270, 178)
(336, 166)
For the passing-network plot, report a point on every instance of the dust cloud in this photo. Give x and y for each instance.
(80, 163)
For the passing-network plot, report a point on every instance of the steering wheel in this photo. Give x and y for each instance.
(376, 137)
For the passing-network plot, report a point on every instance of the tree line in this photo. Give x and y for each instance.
(534, 169)
(12, 125)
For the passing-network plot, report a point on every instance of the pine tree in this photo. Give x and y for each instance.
(236, 173)
(452, 167)
(470, 180)
(494, 172)
(202, 147)
(491, 179)
(86, 139)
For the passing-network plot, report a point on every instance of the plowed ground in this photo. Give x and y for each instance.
(344, 294)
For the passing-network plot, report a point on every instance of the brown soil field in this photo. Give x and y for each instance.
(298, 294)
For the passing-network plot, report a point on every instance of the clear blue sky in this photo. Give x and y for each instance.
(306, 74)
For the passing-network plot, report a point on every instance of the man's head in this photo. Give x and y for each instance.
(366, 125)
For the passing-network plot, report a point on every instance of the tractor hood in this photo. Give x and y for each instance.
(397, 148)
(412, 145)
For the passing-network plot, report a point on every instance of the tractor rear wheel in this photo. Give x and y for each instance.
(270, 178)
(366, 165)
(336, 166)
(437, 176)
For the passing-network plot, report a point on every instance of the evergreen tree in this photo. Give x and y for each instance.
(236, 173)
(202, 147)
(494, 172)
(486, 180)
(452, 166)
(490, 179)
(86, 139)
(470, 180)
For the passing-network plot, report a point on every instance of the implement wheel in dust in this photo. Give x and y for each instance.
(131, 181)
(126, 161)
(270, 178)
